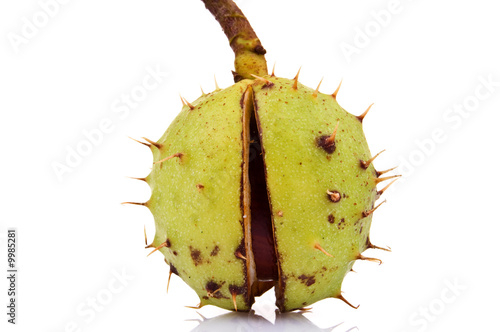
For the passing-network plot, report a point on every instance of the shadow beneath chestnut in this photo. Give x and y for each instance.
(249, 322)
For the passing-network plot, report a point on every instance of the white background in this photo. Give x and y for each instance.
(419, 66)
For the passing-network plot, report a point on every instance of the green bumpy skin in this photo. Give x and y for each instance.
(321, 201)
(299, 175)
(195, 198)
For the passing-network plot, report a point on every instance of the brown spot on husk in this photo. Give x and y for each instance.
(213, 290)
(173, 269)
(215, 251)
(307, 280)
(196, 256)
(322, 142)
(238, 290)
(242, 101)
(268, 85)
(240, 251)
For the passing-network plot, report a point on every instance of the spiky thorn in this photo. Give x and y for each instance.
(216, 85)
(340, 297)
(370, 259)
(261, 78)
(379, 173)
(202, 92)
(158, 145)
(334, 95)
(381, 191)
(140, 179)
(197, 307)
(175, 155)
(168, 282)
(240, 255)
(367, 213)
(304, 310)
(372, 246)
(233, 295)
(274, 66)
(268, 82)
(146, 144)
(296, 80)
(331, 140)
(163, 245)
(152, 246)
(315, 93)
(182, 100)
(362, 116)
(135, 203)
(145, 235)
(320, 248)
(186, 103)
(365, 164)
(191, 106)
(378, 180)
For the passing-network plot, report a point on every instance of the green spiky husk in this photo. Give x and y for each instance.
(197, 198)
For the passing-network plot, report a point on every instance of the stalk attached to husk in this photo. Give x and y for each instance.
(248, 50)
